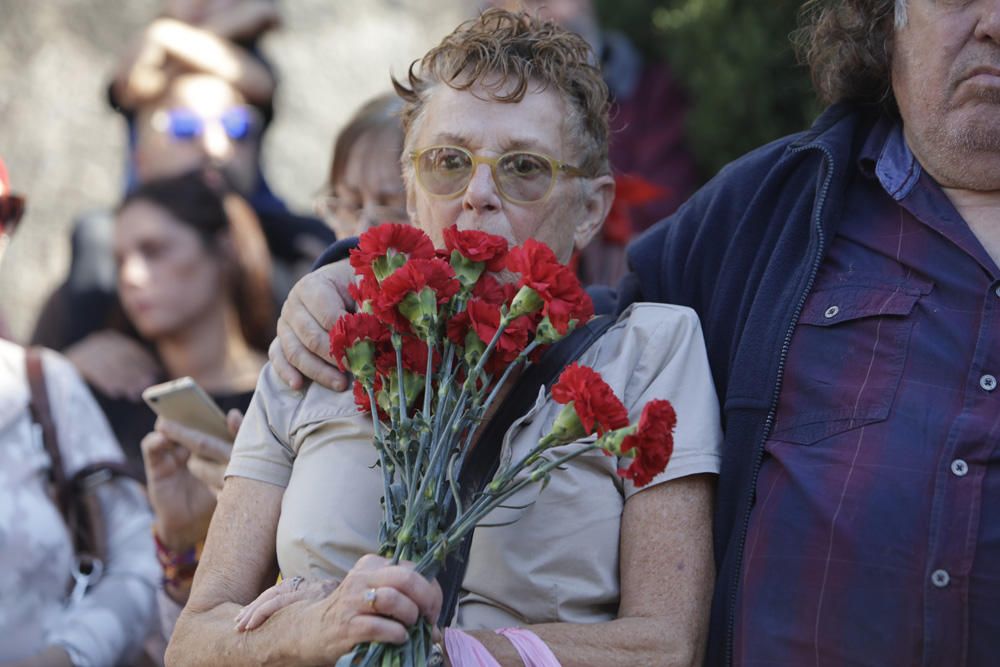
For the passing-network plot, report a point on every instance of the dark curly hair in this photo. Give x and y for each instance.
(848, 47)
(499, 49)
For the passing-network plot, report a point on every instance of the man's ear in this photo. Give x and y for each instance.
(598, 193)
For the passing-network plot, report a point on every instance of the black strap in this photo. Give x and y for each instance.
(41, 414)
(483, 461)
(83, 517)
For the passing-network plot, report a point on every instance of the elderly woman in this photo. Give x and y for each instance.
(601, 572)
(364, 187)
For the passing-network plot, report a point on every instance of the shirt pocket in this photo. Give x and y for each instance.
(846, 359)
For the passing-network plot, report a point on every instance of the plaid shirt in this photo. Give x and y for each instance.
(875, 537)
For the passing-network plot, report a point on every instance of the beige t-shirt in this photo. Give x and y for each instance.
(555, 560)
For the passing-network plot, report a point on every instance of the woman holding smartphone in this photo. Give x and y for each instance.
(194, 284)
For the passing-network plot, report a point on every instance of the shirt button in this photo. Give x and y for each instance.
(988, 382)
(831, 312)
(960, 468)
(940, 578)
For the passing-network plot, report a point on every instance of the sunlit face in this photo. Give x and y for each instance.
(573, 210)
(370, 190)
(161, 154)
(946, 79)
(167, 278)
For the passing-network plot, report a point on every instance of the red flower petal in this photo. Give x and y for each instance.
(559, 288)
(477, 246)
(652, 444)
(351, 328)
(378, 241)
(596, 405)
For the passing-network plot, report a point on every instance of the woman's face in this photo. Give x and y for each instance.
(370, 191)
(168, 279)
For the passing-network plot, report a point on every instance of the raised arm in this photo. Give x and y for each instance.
(141, 74)
(666, 586)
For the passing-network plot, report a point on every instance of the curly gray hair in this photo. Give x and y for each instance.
(848, 47)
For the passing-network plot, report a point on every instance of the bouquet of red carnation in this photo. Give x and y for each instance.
(436, 337)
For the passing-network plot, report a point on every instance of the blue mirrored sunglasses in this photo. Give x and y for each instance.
(184, 124)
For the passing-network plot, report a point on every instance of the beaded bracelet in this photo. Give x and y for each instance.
(178, 567)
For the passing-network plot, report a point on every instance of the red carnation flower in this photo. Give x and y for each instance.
(491, 290)
(652, 444)
(477, 246)
(484, 318)
(596, 405)
(350, 330)
(563, 297)
(412, 278)
(414, 357)
(365, 290)
(387, 246)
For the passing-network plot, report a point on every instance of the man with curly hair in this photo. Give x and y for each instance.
(847, 281)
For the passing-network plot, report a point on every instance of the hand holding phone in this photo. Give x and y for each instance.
(186, 403)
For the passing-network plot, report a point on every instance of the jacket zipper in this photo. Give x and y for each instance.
(772, 410)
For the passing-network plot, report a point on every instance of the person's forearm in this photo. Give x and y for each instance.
(624, 641)
(209, 638)
(203, 51)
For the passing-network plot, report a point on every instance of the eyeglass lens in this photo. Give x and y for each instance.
(353, 212)
(520, 176)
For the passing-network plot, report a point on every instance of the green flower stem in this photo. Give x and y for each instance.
(397, 344)
(521, 358)
(486, 503)
(390, 513)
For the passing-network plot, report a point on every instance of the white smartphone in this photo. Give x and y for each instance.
(184, 402)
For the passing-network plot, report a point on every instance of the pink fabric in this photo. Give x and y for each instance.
(466, 651)
(533, 651)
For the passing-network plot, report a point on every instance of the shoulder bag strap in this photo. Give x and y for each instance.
(41, 413)
(483, 460)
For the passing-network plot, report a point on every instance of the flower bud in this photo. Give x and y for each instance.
(546, 333)
(611, 442)
(386, 265)
(565, 429)
(525, 302)
(361, 360)
(467, 271)
(421, 310)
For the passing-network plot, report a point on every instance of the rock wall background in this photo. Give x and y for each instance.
(64, 147)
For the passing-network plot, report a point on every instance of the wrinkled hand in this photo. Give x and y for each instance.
(117, 365)
(302, 348)
(333, 625)
(184, 474)
(280, 596)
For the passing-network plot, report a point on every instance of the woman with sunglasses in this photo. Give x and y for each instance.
(506, 132)
(55, 612)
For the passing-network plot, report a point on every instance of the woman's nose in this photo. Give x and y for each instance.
(133, 271)
(216, 143)
(481, 194)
